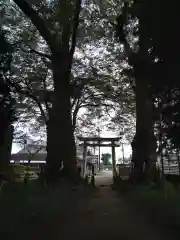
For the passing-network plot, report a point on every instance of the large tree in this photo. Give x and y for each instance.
(95, 83)
(136, 49)
(57, 23)
(153, 54)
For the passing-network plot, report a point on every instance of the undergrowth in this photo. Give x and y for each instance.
(24, 208)
(161, 205)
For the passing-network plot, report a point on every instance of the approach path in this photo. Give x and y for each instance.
(104, 215)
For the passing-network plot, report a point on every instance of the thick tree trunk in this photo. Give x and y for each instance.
(5, 149)
(60, 137)
(139, 144)
(150, 167)
(144, 142)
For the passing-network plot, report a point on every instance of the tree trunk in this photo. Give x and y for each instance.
(139, 144)
(144, 142)
(5, 149)
(150, 167)
(60, 138)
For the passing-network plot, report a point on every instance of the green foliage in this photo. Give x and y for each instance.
(152, 38)
(18, 171)
(161, 205)
(99, 87)
(170, 117)
(106, 158)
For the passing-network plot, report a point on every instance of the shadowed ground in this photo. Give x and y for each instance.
(102, 216)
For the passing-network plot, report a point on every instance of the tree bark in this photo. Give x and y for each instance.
(150, 167)
(139, 144)
(5, 149)
(60, 137)
(144, 142)
(74, 115)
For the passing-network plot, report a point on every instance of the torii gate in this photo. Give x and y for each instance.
(98, 142)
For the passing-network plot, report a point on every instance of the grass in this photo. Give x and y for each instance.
(23, 209)
(160, 205)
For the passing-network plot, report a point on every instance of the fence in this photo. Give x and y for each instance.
(124, 170)
(171, 165)
(171, 169)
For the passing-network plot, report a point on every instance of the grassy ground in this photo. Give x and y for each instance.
(24, 208)
(160, 205)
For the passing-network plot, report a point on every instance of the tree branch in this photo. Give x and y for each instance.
(95, 105)
(90, 97)
(45, 89)
(29, 94)
(75, 113)
(74, 33)
(75, 27)
(37, 21)
(73, 102)
(41, 54)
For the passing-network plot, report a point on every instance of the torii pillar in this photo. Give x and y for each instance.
(85, 159)
(113, 160)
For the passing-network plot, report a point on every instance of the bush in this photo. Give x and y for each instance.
(24, 208)
(17, 172)
(160, 204)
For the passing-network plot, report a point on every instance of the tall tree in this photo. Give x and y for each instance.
(140, 60)
(153, 55)
(96, 93)
(59, 31)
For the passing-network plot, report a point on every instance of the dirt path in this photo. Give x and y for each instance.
(104, 216)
